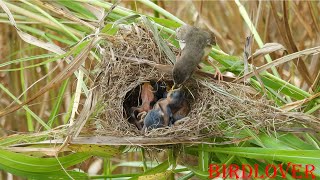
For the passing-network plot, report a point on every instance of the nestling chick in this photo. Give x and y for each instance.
(196, 44)
(163, 112)
(183, 111)
(154, 119)
(147, 97)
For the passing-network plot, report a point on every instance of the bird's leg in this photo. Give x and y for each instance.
(141, 116)
(217, 73)
(135, 110)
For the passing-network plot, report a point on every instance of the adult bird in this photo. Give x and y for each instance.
(195, 45)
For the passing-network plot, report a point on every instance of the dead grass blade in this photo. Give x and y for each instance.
(288, 41)
(247, 53)
(39, 18)
(301, 66)
(314, 17)
(316, 82)
(254, 69)
(213, 76)
(88, 109)
(306, 119)
(296, 104)
(305, 24)
(27, 37)
(267, 49)
(45, 151)
(164, 68)
(140, 140)
(129, 140)
(95, 10)
(281, 60)
(67, 72)
(279, 23)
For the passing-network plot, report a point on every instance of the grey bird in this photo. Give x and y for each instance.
(196, 45)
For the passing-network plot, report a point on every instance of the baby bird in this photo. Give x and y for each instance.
(154, 119)
(196, 44)
(182, 112)
(163, 112)
(147, 97)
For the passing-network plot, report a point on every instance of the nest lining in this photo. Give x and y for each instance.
(212, 113)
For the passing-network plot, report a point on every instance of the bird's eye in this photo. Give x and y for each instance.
(210, 42)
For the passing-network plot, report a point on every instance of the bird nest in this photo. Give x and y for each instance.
(132, 57)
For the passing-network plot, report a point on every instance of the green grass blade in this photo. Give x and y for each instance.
(58, 102)
(25, 59)
(283, 155)
(270, 93)
(22, 138)
(283, 88)
(52, 19)
(96, 150)
(36, 17)
(295, 142)
(165, 22)
(161, 11)
(23, 85)
(33, 164)
(37, 118)
(158, 169)
(77, 7)
(203, 158)
(46, 175)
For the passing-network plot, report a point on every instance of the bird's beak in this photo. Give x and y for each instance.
(207, 50)
(175, 86)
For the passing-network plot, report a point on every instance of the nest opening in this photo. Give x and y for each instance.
(133, 97)
(133, 102)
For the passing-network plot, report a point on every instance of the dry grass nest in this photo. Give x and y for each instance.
(223, 109)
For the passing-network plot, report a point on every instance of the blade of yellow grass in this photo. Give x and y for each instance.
(32, 15)
(67, 72)
(76, 99)
(27, 37)
(301, 66)
(281, 60)
(299, 103)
